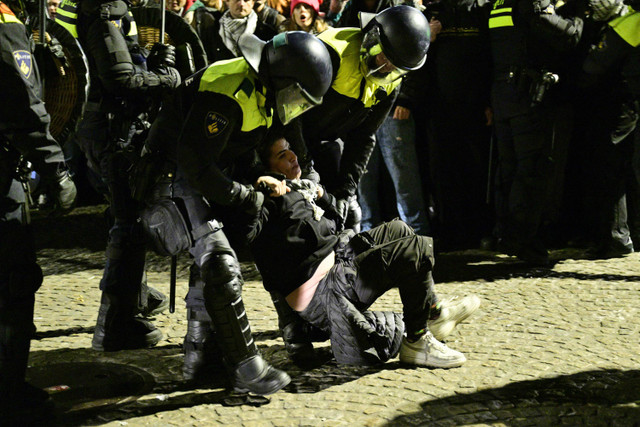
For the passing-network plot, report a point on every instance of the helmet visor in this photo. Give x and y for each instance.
(376, 67)
(292, 101)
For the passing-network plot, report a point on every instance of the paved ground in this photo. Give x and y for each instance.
(547, 347)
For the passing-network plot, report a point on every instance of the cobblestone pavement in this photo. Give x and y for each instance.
(547, 347)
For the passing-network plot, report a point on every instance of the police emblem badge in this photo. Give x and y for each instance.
(24, 63)
(214, 124)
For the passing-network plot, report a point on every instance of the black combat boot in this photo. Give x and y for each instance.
(255, 375)
(151, 302)
(201, 354)
(119, 328)
(249, 372)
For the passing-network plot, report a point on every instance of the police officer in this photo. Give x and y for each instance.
(24, 131)
(217, 117)
(612, 77)
(527, 38)
(125, 82)
(368, 66)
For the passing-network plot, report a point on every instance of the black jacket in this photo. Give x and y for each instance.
(206, 22)
(288, 244)
(24, 122)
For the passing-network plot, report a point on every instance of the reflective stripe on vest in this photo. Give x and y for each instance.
(346, 42)
(67, 16)
(628, 28)
(501, 16)
(133, 28)
(234, 79)
(7, 16)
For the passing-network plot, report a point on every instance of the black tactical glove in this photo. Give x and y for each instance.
(342, 206)
(58, 194)
(161, 55)
(250, 200)
(170, 77)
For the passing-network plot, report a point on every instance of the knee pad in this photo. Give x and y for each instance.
(222, 278)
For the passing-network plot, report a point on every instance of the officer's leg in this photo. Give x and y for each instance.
(221, 284)
(220, 271)
(20, 278)
(201, 352)
(118, 326)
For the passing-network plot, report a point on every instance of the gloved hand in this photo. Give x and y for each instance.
(161, 55)
(250, 200)
(170, 78)
(58, 194)
(342, 206)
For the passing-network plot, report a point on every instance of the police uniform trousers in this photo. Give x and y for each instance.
(124, 269)
(524, 166)
(20, 278)
(215, 284)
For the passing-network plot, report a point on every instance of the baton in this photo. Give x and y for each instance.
(163, 6)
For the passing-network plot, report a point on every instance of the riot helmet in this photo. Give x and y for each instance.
(395, 42)
(294, 65)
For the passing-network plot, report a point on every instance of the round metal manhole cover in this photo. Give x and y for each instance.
(84, 385)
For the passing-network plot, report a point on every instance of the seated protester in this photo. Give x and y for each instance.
(305, 16)
(220, 31)
(331, 280)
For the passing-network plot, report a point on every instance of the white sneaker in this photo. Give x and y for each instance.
(452, 312)
(428, 351)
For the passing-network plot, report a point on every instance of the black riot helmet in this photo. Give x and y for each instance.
(295, 65)
(402, 35)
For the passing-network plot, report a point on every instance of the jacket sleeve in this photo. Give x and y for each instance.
(611, 50)
(560, 32)
(358, 146)
(113, 61)
(24, 122)
(211, 124)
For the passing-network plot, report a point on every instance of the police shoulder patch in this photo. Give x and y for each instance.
(214, 124)
(24, 62)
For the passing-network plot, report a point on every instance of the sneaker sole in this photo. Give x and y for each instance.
(447, 328)
(443, 364)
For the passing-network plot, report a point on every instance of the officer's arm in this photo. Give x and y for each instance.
(211, 123)
(24, 122)
(610, 51)
(294, 135)
(558, 32)
(358, 146)
(114, 64)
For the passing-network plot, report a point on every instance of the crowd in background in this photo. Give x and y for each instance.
(436, 160)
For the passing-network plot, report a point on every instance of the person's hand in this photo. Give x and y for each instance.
(275, 186)
(161, 55)
(342, 206)
(170, 78)
(250, 201)
(435, 26)
(401, 113)
(488, 114)
(58, 194)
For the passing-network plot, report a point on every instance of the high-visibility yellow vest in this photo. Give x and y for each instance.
(234, 78)
(348, 81)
